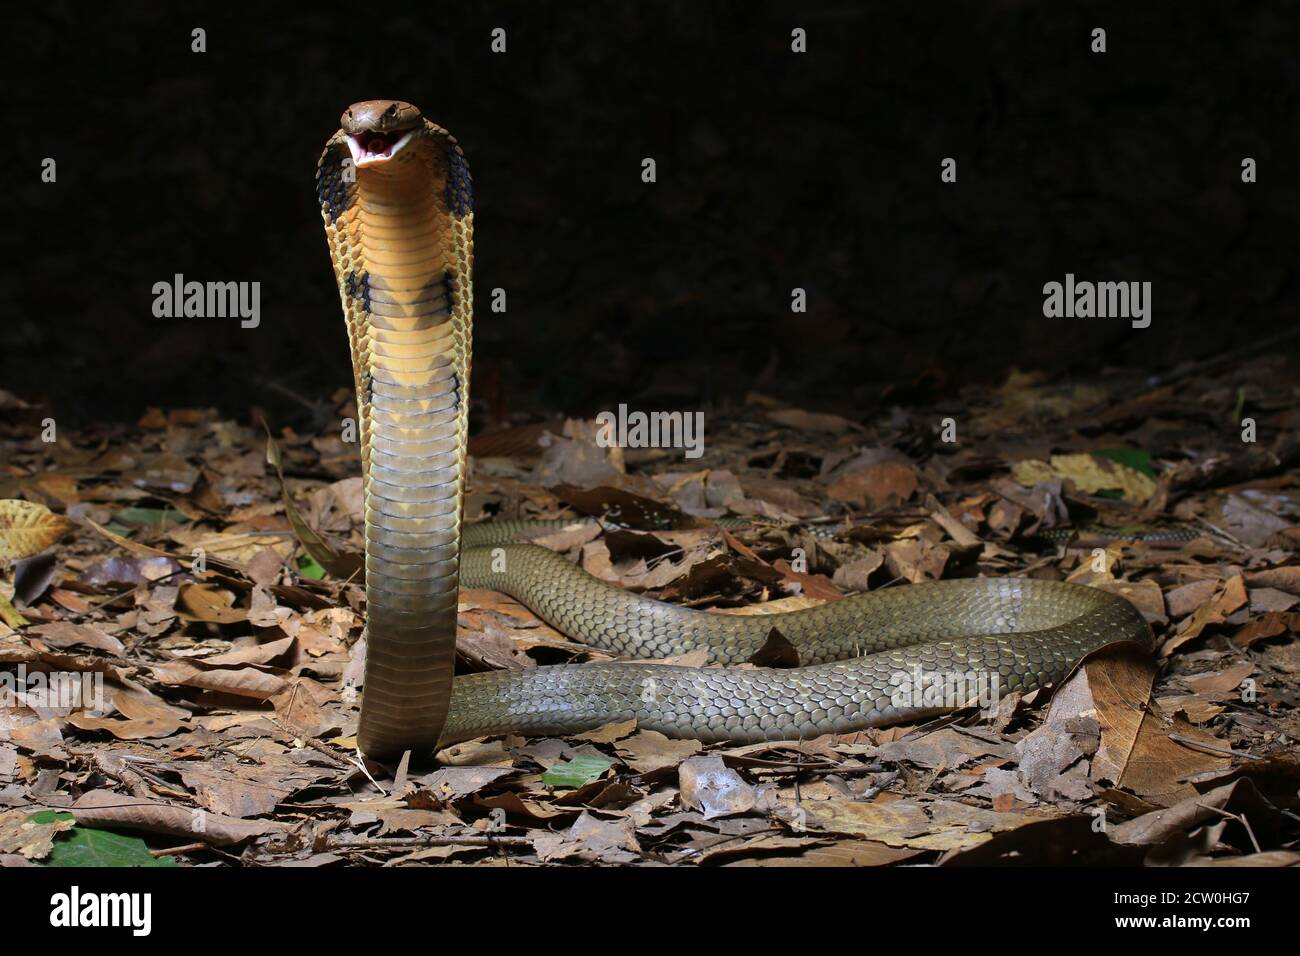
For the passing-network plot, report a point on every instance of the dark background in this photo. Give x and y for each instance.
(775, 170)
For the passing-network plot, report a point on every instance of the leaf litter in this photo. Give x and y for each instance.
(204, 588)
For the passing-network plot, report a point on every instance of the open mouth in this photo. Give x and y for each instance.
(369, 148)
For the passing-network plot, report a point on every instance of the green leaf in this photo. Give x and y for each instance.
(150, 517)
(84, 846)
(578, 772)
(45, 817)
(1135, 458)
(309, 567)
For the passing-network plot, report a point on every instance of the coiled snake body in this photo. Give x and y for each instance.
(396, 198)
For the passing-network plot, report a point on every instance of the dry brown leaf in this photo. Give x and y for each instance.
(1159, 766)
(203, 602)
(252, 654)
(103, 808)
(1214, 611)
(649, 750)
(1197, 709)
(1120, 679)
(1186, 598)
(239, 790)
(1221, 684)
(840, 853)
(145, 718)
(1160, 825)
(243, 682)
(1284, 579)
(812, 421)
(28, 528)
(34, 841)
(880, 486)
(608, 733)
(590, 839)
(298, 709)
(944, 825)
(62, 634)
(1269, 625)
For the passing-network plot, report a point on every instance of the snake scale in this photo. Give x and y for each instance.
(396, 198)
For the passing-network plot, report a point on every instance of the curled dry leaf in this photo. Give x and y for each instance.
(103, 808)
(202, 602)
(145, 719)
(62, 634)
(242, 682)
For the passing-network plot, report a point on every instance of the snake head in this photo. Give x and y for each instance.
(376, 130)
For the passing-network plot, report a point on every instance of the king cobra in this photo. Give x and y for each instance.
(396, 197)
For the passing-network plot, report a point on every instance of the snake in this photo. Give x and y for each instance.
(396, 199)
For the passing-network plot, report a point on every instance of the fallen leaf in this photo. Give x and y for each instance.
(27, 528)
(24, 836)
(107, 809)
(708, 785)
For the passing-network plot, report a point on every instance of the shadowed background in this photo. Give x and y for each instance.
(775, 170)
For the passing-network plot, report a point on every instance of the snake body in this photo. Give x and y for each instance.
(396, 200)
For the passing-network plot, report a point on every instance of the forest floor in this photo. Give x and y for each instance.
(181, 636)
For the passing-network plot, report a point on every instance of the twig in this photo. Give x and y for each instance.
(354, 845)
(314, 744)
(178, 850)
(1227, 752)
(696, 851)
